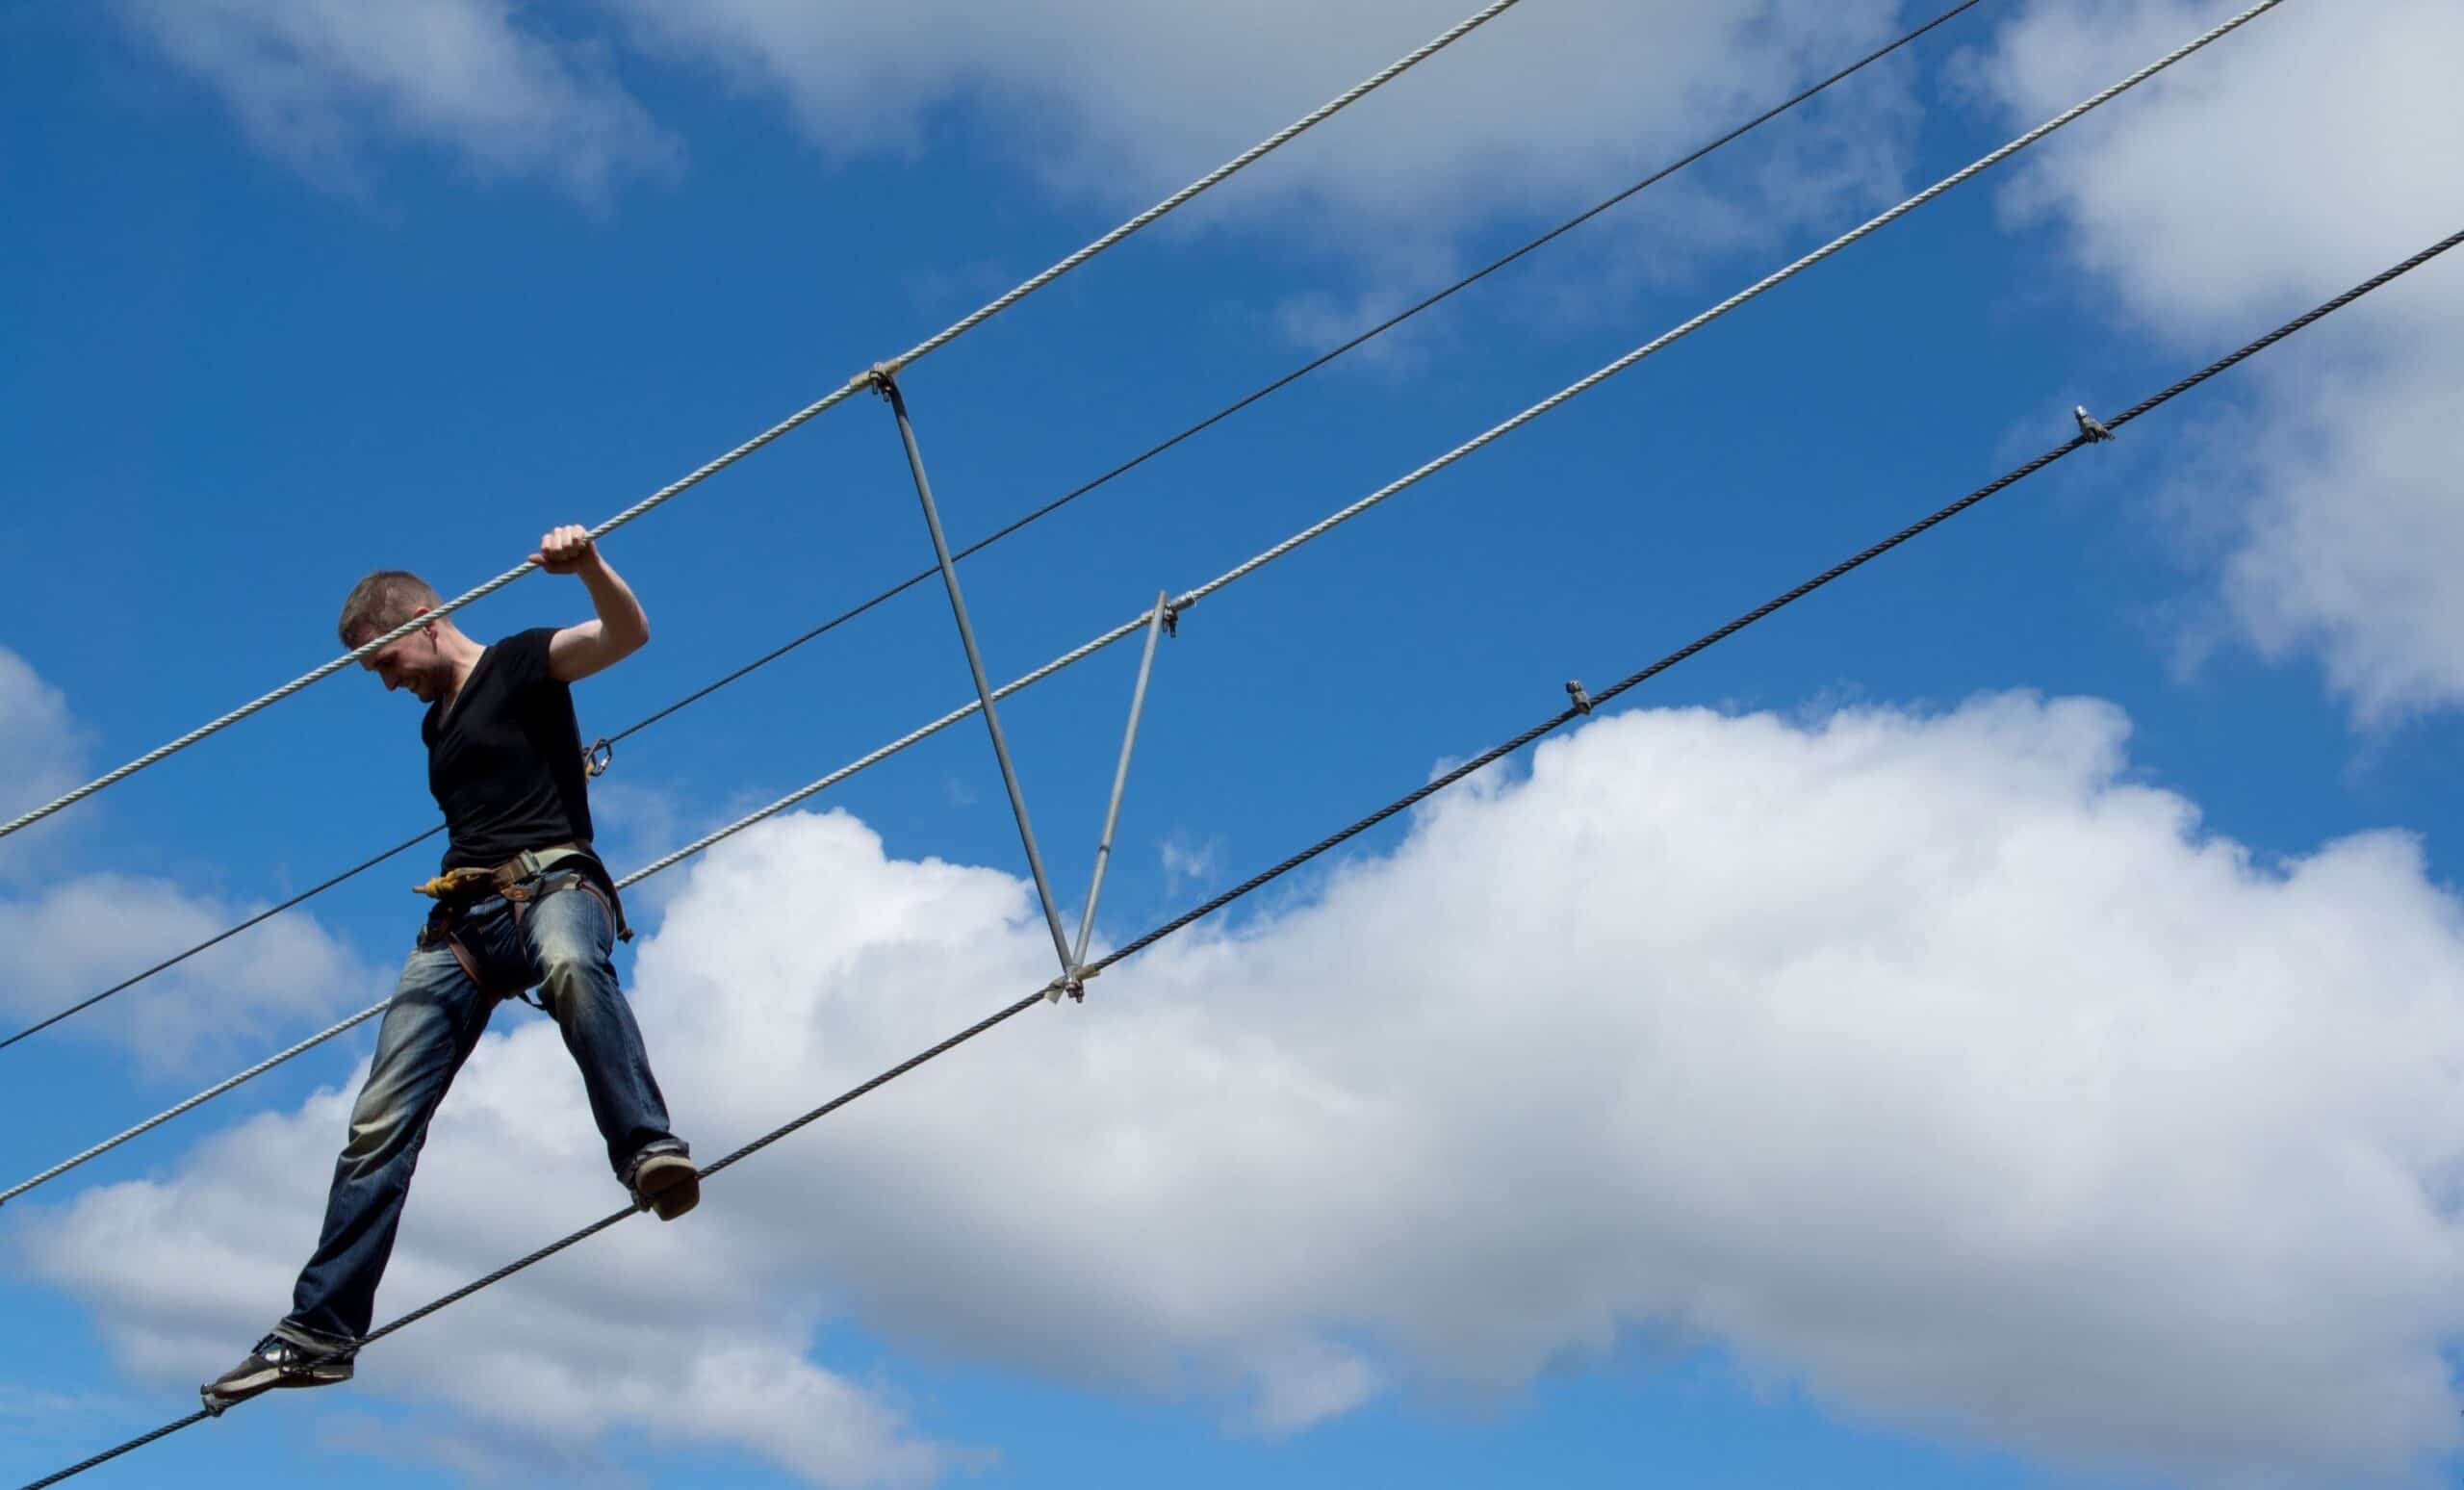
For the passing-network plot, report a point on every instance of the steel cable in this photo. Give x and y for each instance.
(1362, 824)
(1306, 535)
(853, 386)
(1086, 487)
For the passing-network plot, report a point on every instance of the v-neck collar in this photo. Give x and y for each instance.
(445, 717)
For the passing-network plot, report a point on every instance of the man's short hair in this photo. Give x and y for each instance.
(382, 601)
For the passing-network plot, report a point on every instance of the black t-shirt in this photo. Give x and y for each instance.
(504, 759)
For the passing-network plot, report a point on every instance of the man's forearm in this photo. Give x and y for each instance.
(622, 622)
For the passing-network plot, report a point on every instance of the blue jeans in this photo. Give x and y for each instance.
(562, 942)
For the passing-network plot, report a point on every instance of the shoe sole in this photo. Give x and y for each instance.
(671, 1185)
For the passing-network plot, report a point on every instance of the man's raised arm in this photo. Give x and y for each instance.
(616, 633)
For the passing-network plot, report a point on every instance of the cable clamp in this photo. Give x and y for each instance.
(2090, 425)
(597, 755)
(1171, 620)
(881, 378)
(1072, 983)
(1582, 700)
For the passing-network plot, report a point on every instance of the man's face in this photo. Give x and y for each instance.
(411, 663)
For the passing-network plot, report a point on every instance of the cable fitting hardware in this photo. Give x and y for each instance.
(2090, 425)
(1072, 983)
(1172, 621)
(597, 755)
(881, 378)
(1582, 700)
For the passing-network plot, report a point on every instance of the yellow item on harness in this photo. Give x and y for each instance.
(457, 889)
(452, 882)
(461, 880)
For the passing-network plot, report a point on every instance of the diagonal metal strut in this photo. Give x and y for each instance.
(886, 383)
(1075, 980)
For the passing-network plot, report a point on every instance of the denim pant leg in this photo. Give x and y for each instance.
(570, 938)
(431, 1027)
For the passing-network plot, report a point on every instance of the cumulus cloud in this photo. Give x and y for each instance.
(77, 938)
(42, 753)
(681, 1335)
(1543, 104)
(1933, 1063)
(2347, 509)
(1187, 861)
(39, 741)
(2308, 151)
(1122, 102)
(65, 934)
(28, 1405)
(321, 84)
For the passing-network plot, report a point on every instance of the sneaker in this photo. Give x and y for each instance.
(275, 1362)
(667, 1183)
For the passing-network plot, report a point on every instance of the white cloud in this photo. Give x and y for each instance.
(1539, 107)
(635, 820)
(472, 1454)
(2306, 152)
(2351, 516)
(65, 935)
(319, 84)
(79, 937)
(1310, 1384)
(42, 753)
(677, 1334)
(1187, 862)
(1318, 321)
(23, 1403)
(1928, 1061)
(40, 746)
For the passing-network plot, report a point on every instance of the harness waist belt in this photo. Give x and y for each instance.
(472, 882)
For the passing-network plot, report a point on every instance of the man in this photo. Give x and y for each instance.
(522, 901)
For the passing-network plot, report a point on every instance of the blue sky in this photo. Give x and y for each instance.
(2156, 744)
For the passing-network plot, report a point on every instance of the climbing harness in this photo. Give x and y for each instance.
(529, 876)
